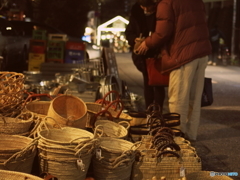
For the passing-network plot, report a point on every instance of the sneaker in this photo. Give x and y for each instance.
(209, 62)
(214, 64)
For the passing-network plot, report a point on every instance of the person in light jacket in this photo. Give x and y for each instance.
(182, 31)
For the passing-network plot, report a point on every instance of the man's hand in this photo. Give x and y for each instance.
(142, 49)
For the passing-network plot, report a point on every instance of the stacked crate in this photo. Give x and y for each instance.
(56, 47)
(37, 49)
(75, 52)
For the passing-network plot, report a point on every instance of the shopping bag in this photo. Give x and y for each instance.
(155, 77)
(207, 95)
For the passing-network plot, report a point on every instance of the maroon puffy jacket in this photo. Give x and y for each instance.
(181, 31)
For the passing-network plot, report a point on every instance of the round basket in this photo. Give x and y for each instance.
(112, 129)
(16, 126)
(17, 153)
(39, 108)
(67, 147)
(68, 110)
(11, 175)
(64, 136)
(113, 148)
(206, 175)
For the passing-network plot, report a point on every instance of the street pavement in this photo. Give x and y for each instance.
(218, 143)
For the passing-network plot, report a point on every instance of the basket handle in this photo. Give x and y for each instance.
(3, 118)
(160, 153)
(31, 95)
(31, 147)
(153, 108)
(91, 144)
(94, 117)
(48, 176)
(117, 102)
(100, 129)
(124, 124)
(110, 92)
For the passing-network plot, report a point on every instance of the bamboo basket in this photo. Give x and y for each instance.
(112, 129)
(166, 163)
(206, 175)
(16, 126)
(11, 93)
(68, 110)
(17, 153)
(12, 175)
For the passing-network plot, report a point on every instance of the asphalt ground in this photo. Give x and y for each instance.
(218, 142)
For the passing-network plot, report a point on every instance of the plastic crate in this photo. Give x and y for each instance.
(55, 60)
(73, 45)
(37, 46)
(51, 54)
(74, 56)
(39, 34)
(36, 57)
(58, 37)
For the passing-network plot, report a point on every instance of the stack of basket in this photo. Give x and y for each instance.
(66, 152)
(114, 159)
(17, 153)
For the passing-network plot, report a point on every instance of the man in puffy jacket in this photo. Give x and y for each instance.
(182, 31)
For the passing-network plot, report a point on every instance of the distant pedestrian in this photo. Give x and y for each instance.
(142, 22)
(215, 37)
(181, 29)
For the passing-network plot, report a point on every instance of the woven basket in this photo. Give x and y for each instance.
(17, 153)
(16, 126)
(68, 110)
(11, 92)
(64, 136)
(149, 166)
(108, 149)
(11, 175)
(39, 108)
(206, 175)
(120, 169)
(112, 129)
(68, 147)
(117, 114)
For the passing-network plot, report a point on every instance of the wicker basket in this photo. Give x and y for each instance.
(11, 93)
(39, 108)
(117, 114)
(16, 126)
(112, 129)
(206, 175)
(68, 147)
(167, 164)
(17, 153)
(11, 175)
(68, 110)
(114, 159)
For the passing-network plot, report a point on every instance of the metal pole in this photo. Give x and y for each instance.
(233, 30)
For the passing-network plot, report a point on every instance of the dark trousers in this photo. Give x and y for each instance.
(152, 94)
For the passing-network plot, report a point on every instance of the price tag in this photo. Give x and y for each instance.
(98, 153)
(80, 164)
(182, 172)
